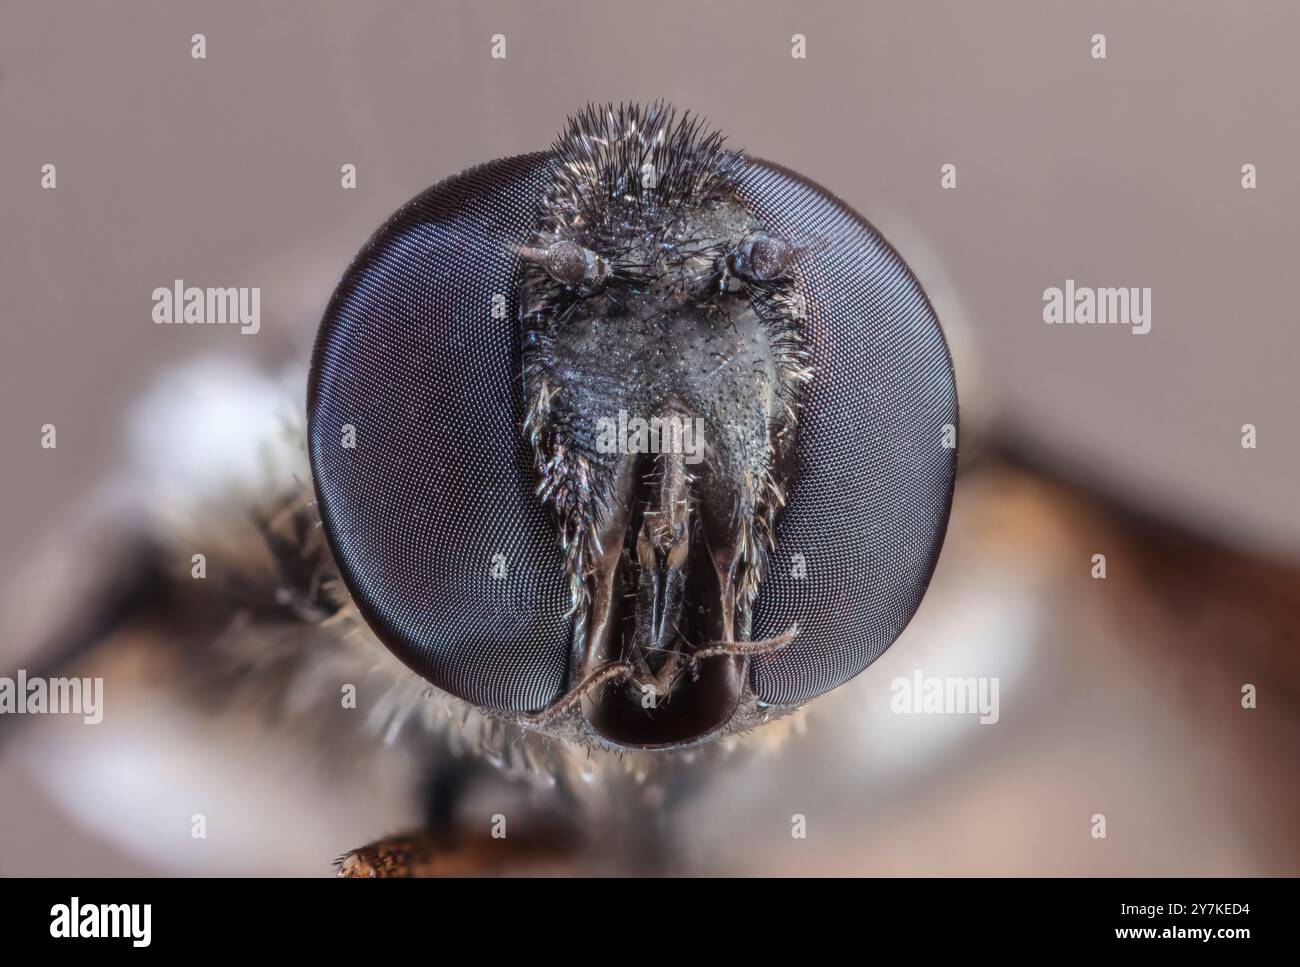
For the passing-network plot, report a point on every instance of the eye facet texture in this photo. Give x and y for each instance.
(872, 486)
(432, 513)
(432, 516)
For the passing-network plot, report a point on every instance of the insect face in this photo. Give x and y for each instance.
(696, 342)
(688, 323)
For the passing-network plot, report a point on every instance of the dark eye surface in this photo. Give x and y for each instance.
(872, 487)
(427, 486)
(431, 511)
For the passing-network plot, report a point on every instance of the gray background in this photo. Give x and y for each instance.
(1124, 172)
(1118, 172)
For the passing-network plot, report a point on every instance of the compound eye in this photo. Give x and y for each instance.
(427, 487)
(761, 257)
(424, 482)
(875, 450)
(568, 262)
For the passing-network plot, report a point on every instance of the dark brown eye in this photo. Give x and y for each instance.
(652, 513)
